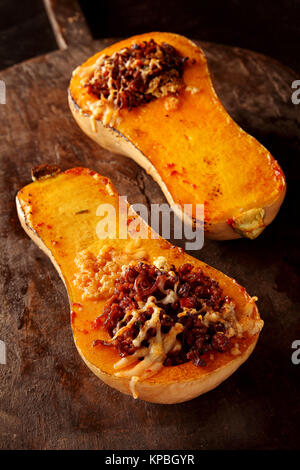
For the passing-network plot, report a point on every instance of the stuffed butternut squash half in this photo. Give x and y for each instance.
(147, 318)
(151, 97)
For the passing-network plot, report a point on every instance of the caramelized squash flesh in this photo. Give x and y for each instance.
(189, 144)
(61, 214)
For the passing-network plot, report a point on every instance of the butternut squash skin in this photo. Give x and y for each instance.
(59, 214)
(195, 152)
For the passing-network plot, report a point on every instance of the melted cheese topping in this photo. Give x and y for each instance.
(227, 316)
(147, 361)
(105, 109)
(162, 263)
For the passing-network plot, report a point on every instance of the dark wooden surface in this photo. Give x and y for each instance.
(270, 27)
(25, 31)
(48, 397)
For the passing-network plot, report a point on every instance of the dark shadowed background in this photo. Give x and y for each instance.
(270, 27)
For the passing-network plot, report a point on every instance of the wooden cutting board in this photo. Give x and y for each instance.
(48, 397)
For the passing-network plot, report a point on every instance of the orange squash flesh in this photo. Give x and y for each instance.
(59, 214)
(196, 152)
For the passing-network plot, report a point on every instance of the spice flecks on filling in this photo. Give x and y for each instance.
(162, 316)
(137, 74)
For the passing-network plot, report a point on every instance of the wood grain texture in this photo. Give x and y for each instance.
(48, 398)
(68, 23)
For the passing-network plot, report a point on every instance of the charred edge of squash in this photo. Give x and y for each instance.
(116, 131)
(44, 171)
(88, 115)
(79, 109)
(28, 228)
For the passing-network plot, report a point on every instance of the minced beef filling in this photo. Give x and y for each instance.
(137, 74)
(196, 294)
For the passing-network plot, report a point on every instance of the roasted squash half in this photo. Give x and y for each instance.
(186, 141)
(59, 212)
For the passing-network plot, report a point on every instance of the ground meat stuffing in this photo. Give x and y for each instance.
(137, 74)
(184, 295)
